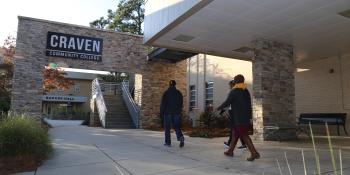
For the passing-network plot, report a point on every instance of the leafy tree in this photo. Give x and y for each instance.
(54, 79)
(7, 52)
(116, 77)
(128, 17)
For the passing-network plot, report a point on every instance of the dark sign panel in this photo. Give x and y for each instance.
(74, 46)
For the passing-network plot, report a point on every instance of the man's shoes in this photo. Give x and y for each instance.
(167, 145)
(242, 147)
(182, 142)
(227, 145)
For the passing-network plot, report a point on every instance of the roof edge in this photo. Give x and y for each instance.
(76, 25)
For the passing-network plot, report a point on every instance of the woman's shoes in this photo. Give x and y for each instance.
(253, 157)
(228, 153)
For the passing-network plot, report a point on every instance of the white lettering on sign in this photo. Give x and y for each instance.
(80, 44)
(88, 45)
(96, 46)
(79, 99)
(71, 44)
(54, 41)
(63, 42)
(74, 46)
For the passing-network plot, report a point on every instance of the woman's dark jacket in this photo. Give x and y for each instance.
(241, 106)
(172, 102)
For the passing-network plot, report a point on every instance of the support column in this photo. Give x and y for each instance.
(273, 90)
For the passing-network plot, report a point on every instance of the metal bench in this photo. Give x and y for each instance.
(321, 119)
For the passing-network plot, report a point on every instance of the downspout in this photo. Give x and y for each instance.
(197, 82)
(341, 80)
(189, 84)
(205, 80)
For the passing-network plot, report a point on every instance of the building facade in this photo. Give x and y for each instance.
(73, 103)
(277, 37)
(208, 77)
(40, 42)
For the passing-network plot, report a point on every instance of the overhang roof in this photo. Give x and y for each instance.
(170, 55)
(224, 27)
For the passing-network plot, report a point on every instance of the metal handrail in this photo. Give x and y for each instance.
(109, 87)
(131, 105)
(100, 102)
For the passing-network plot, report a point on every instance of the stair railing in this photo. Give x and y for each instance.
(109, 87)
(133, 108)
(100, 102)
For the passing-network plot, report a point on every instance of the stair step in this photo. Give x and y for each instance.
(117, 116)
(125, 114)
(116, 106)
(120, 127)
(113, 103)
(113, 96)
(111, 111)
(119, 122)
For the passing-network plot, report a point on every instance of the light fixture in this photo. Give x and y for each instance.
(345, 13)
(183, 38)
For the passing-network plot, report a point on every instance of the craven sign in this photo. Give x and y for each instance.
(74, 46)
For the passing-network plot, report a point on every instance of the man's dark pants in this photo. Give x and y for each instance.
(175, 121)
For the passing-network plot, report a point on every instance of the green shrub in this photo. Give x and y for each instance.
(4, 104)
(212, 120)
(23, 136)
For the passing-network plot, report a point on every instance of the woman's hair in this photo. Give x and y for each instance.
(231, 83)
(238, 79)
(172, 83)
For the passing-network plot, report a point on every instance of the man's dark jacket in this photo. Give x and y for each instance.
(241, 106)
(171, 102)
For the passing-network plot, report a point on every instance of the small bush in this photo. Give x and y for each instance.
(4, 105)
(212, 120)
(23, 136)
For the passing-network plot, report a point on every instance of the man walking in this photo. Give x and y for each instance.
(170, 109)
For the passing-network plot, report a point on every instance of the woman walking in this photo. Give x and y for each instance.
(241, 111)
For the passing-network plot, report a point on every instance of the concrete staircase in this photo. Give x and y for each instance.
(117, 113)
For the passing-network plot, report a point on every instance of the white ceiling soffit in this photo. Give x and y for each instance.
(313, 27)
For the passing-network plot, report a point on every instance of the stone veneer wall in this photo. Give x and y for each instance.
(121, 52)
(273, 90)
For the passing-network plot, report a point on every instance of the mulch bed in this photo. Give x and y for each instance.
(207, 133)
(11, 165)
(200, 132)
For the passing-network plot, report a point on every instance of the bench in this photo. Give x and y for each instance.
(321, 119)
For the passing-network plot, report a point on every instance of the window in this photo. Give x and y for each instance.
(209, 93)
(77, 88)
(59, 89)
(192, 97)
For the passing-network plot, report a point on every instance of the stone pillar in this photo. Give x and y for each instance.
(154, 83)
(273, 90)
(27, 82)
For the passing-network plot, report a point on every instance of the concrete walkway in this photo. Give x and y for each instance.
(58, 123)
(83, 150)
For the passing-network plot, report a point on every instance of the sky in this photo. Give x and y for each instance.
(80, 12)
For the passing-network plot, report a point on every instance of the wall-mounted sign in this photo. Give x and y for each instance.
(74, 46)
(60, 98)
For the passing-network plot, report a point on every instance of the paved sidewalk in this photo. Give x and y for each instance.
(83, 150)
